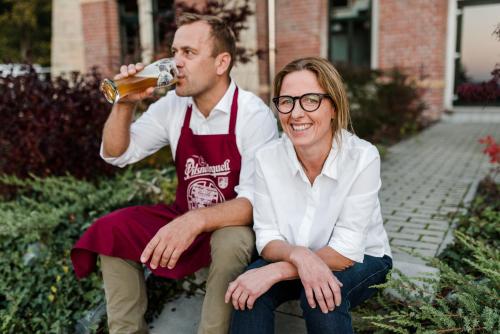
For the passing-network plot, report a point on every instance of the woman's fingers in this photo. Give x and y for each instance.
(318, 295)
(335, 287)
(251, 302)
(310, 297)
(337, 281)
(236, 296)
(242, 301)
(229, 293)
(328, 295)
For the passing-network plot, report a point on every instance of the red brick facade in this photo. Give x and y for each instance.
(299, 27)
(101, 35)
(412, 35)
(262, 45)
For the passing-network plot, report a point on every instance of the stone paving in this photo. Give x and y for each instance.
(426, 180)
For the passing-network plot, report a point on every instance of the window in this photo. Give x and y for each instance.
(164, 21)
(350, 32)
(129, 31)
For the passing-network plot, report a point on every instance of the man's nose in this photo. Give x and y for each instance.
(178, 60)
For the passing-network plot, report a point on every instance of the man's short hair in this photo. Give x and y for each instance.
(223, 36)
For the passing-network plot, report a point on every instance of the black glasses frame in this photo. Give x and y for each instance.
(294, 98)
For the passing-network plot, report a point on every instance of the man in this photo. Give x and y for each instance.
(213, 129)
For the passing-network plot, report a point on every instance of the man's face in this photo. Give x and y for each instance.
(192, 50)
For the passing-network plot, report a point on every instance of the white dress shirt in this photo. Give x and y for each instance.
(340, 209)
(161, 125)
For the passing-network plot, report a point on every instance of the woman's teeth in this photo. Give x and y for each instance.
(301, 127)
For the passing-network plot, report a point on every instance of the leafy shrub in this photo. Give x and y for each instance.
(39, 292)
(52, 127)
(482, 223)
(465, 297)
(385, 106)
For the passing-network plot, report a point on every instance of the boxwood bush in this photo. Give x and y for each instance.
(39, 292)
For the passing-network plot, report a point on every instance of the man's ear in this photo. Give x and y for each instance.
(222, 62)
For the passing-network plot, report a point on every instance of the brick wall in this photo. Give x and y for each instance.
(262, 45)
(299, 29)
(412, 35)
(101, 35)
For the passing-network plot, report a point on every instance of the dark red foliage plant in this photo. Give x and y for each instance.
(52, 127)
(486, 92)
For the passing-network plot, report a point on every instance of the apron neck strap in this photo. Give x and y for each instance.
(187, 118)
(234, 112)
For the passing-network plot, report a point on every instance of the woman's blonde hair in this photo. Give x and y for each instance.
(329, 79)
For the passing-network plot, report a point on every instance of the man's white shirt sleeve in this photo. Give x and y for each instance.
(148, 134)
(253, 132)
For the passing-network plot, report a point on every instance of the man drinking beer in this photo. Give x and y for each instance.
(213, 129)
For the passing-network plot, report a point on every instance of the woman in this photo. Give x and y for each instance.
(317, 215)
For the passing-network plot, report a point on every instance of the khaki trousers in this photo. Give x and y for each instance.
(125, 288)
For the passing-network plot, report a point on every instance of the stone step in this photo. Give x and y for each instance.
(182, 316)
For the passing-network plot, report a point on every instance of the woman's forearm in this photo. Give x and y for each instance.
(286, 271)
(280, 251)
(277, 250)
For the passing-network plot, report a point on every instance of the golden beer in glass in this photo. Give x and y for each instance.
(161, 73)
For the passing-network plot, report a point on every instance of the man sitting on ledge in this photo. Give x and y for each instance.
(213, 129)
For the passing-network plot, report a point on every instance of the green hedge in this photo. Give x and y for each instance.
(38, 226)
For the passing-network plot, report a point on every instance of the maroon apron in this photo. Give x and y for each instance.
(208, 170)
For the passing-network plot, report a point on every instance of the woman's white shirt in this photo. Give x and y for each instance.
(340, 209)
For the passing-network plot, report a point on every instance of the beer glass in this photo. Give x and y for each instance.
(161, 73)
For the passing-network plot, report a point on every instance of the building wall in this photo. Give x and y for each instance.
(412, 36)
(300, 27)
(101, 34)
(67, 53)
(247, 75)
(85, 33)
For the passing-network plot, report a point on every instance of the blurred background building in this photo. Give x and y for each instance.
(440, 43)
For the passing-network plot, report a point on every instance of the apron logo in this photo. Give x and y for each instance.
(202, 193)
(222, 182)
(197, 166)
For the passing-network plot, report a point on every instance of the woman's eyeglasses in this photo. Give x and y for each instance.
(309, 102)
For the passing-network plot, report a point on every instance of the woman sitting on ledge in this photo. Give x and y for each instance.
(317, 215)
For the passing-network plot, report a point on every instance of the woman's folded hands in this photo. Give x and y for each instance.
(250, 285)
(320, 284)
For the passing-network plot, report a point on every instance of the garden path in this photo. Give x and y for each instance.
(425, 182)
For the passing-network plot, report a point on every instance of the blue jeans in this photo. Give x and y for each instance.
(356, 282)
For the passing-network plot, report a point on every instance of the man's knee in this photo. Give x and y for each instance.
(233, 244)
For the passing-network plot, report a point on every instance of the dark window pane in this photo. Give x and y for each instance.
(350, 32)
(339, 3)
